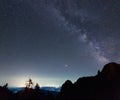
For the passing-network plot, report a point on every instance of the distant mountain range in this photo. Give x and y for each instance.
(56, 89)
(52, 89)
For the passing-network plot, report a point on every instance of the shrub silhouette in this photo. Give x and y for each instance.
(5, 93)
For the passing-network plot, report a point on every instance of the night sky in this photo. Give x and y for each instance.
(51, 41)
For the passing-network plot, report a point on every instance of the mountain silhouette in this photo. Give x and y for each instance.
(103, 86)
(111, 71)
(66, 91)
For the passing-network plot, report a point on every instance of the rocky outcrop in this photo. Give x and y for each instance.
(103, 86)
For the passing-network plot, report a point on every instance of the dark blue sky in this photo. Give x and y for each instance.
(51, 41)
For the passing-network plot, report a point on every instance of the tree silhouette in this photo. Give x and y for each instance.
(37, 87)
(5, 86)
(29, 83)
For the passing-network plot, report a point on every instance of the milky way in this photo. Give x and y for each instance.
(96, 27)
(55, 40)
(93, 26)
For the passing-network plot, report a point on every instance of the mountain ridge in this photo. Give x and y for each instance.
(103, 86)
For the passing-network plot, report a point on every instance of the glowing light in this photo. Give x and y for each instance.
(20, 81)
